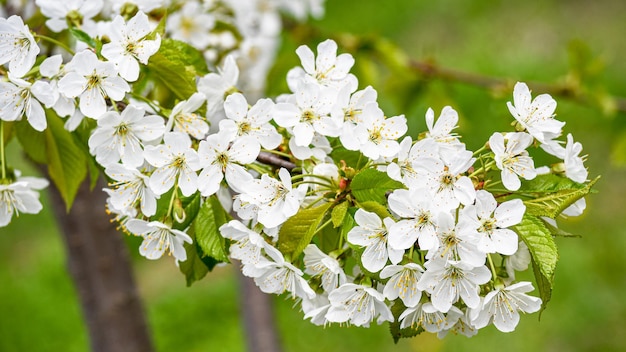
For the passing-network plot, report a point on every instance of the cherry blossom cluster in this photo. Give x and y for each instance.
(437, 250)
(85, 81)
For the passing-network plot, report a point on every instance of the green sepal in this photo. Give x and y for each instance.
(191, 206)
(298, 231)
(373, 185)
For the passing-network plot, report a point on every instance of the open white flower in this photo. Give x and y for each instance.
(492, 221)
(279, 276)
(184, 118)
(17, 46)
(318, 263)
(309, 111)
(423, 315)
(216, 86)
(378, 135)
(327, 69)
(130, 189)
(446, 182)
(120, 136)
(513, 158)
(418, 219)
(191, 24)
(447, 282)
(412, 158)
(246, 246)
(574, 164)
(441, 131)
(502, 306)
(241, 122)
(276, 200)
(129, 46)
(535, 115)
(219, 159)
(19, 97)
(372, 233)
(175, 161)
(92, 80)
(358, 305)
(59, 11)
(19, 196)
(158, 238)
(458, 242)
(402, 283)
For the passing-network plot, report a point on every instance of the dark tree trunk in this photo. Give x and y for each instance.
(258, 316)
(99, 264)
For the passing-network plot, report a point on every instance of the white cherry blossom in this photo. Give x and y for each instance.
(372, 233)
(21, 98)
(423, 315)
(358, 305)
(492, 221)
(184, 118)
(535, 115)
(378, 135)
(502, 306)
(513, 158)
(17, 46)
(175, 162)
(418, 219)
(129, 189)
(254, 122)
(59, 11)
(159, 238)
(129, 46)
(317, 263)
(121, 136)
(402, 283)
(280, 276)
(447, 282)
(92, 81)
(20, 197)
(219, 159)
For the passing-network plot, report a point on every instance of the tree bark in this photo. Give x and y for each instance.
(99, 264)
(258, 316)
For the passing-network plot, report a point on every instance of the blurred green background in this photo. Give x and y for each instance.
(547, 41)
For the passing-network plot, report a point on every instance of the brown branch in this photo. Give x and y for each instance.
(274, 160)
(563, 90)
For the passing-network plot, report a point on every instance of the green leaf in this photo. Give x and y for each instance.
(83, 37)
(376, 208)
(394, 327)
(176, 65)
(194, 267)
(67, 162)
(552, 204)
(549, 183)
(544, 285)
(33, 142)
(339, 213)
(350, 157)
(555, 231)
(298, 231)
(206, 226)
(542, 249)
(373, 185)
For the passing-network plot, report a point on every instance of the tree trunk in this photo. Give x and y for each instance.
(257, 315)
(99, 264)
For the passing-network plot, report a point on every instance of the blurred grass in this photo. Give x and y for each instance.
(519, 40)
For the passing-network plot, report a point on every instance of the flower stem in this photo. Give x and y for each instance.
(493, 267)
(55, 42)
(172, 200)
(2, 156)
